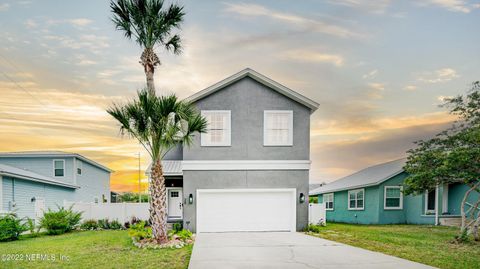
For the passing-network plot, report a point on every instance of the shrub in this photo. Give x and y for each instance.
(11, 227)
(104, 224)
(90, 224)
(177, 227)
(133, 220)
(115, 225)
(313, 228)
(184, 235)
(60, 221)
(138, 231)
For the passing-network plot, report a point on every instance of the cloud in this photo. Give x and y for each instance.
(439, 76)
(4, 7)
(80, 22)
(443, 98)
(91, 42)
(370, 75)
(334, 159)
(410, 88)
(255, 10)
(373, 6)
(313, 56)
(376, 90)
(452, 5)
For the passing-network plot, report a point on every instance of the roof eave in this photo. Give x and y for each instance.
(4, 173)
(357, 186)
(312, 105)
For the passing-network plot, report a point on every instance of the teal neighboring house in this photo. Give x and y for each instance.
(374, 195)
(32, 182)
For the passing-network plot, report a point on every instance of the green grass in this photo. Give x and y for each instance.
(432, 245)
(92, 249)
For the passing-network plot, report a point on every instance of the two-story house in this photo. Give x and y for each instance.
(31, 182)
(250, 170)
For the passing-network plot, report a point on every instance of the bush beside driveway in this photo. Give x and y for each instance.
(89, 249)
(432, 245)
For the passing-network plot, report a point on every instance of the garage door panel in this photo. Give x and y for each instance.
(245, 210)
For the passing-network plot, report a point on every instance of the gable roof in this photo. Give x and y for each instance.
(59, 154)
(247, 72)
(370, 176)
(10, 171)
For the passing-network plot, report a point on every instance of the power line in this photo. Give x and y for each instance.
(21, 87)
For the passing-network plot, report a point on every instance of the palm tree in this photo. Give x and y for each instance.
(159, 123)
(149, 24)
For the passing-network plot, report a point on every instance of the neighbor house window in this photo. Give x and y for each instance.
(218, 128)
(59, 168)
(328, 200)
(393, 198)
(278, 128)
(79, 167)
(356, 199)
(430, 200)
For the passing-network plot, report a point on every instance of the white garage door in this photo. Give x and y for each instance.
(245, 210)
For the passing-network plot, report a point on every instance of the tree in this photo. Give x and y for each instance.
(149, 24)
(159, 123)
(453, 156)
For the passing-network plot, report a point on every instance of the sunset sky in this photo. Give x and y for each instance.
(379, 69)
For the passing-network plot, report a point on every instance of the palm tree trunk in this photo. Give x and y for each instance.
(158, 203)
(149, 60)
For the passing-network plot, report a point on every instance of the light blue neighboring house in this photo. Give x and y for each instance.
(31, 182)
(374, 195)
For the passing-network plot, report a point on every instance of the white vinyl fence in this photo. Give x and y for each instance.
(122, 212)
(317, 214)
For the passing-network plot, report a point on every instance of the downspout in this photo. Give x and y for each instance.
(436, 204)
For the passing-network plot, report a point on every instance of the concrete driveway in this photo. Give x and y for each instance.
(284, 250)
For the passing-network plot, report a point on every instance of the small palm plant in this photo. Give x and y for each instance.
(159, 123)
(149, 24)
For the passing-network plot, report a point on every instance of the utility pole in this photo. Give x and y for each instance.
(139, 181)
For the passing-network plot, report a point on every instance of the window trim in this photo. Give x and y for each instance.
(333, 201)
(290, 133)
(228, 140)
(356, 199)
(53, 163)
(427, 211)
(385, 207)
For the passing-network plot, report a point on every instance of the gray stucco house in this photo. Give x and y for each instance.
(33, 181)
(250, 171)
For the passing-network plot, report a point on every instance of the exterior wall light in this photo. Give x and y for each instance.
(190, 198)
(33, 199)
(302, 198)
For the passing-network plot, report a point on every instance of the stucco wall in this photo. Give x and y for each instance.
(194, 180)
(247, 100)
(456, 192)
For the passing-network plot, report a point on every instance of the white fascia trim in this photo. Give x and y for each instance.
(246, 165)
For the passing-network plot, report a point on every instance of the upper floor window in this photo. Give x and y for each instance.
(59, 168)
(79, 167)
(218, 128)
(278, 128)
(393, 198)
(328, 200)
(356, 199)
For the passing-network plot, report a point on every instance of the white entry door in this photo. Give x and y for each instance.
(245, 210)
(39, 208)
(175, 203)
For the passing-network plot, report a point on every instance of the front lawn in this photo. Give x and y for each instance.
(430, 245)
(90, 249)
